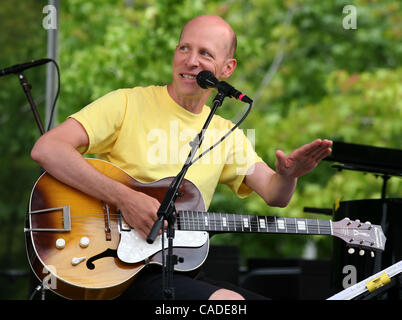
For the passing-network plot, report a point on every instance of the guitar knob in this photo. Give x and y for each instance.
(76, 261)
(361, 252)
(84, 242)
(351, 250)
(60, 243)
(372, 254)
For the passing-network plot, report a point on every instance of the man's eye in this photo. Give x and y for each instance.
(183, 48)
(205, 53)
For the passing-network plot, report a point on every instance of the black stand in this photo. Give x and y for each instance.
(167, 210)
(27, 89)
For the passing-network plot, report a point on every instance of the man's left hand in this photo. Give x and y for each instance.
(303, 159)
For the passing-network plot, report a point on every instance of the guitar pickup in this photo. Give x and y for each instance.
(124, 226)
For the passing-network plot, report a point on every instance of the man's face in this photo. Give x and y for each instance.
(202, 46)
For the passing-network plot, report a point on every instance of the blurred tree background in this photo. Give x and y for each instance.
(310, 78)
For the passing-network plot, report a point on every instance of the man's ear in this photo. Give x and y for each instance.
(230, 66)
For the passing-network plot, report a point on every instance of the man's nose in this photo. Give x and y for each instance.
(193, 60)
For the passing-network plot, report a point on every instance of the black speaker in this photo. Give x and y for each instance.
(289, 279)
(349, 269)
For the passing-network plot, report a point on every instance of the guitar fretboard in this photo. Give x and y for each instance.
(228, 222)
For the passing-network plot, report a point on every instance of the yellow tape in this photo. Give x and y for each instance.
(337, 203)
(378, 282)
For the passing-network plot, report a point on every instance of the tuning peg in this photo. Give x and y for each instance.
(369, 224)
(361, 252)
(372, 254)
(351, 250)
(357, 220)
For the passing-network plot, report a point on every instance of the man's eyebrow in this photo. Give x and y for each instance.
(202, 48)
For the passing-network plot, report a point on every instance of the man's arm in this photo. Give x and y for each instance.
(277, 187)
(56, 151)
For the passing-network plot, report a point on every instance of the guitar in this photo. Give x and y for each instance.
(81, 248)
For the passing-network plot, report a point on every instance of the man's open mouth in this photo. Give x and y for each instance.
(187, 76)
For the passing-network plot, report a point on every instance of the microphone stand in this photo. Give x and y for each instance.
(27, 89)
(167, 209)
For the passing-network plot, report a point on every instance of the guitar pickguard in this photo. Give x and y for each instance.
(133, 249)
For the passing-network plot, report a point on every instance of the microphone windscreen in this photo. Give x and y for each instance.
(206, 79)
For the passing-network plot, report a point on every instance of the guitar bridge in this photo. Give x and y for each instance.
(66, 220)
(106, 213)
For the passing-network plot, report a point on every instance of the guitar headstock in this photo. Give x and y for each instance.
(363, 235)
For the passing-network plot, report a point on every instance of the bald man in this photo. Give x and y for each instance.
(124, 126)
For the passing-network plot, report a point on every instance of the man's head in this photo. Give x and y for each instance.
(206, 42)
(230, 43)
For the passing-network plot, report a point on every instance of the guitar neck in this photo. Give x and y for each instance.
(228, 222)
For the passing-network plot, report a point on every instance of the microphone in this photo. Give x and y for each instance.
(206, 79)
(21, 67)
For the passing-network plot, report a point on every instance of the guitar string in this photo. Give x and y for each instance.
(219, 222)
(233, 224)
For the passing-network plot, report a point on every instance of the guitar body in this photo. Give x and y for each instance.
(61, 220)
(60, 213)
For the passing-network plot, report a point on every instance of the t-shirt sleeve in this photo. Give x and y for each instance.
(240, 159)
(102, 120)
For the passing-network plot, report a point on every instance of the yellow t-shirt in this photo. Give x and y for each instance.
(147, 134)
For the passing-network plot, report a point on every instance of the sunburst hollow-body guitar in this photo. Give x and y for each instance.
(81, 247)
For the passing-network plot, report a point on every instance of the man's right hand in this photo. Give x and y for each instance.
(139, 211)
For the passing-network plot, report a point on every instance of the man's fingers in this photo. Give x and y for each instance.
(316, 147)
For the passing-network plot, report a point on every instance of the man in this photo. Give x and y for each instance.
(118, 126)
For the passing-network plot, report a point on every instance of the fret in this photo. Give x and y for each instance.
(242, 222)
(271, 224)
(225, 223)
(180, 221)
(280, 225)
(218, 222)
(255, 226)
(182, 216)
(313, 226)
(193, 221)
(239, 223)
(245, 223)
(325, 226)
(197, 220)
(290, 225)
(231, 222)
(261, 225)
(301, 225)
(206, 222)
(190, 220)
(306, 225)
